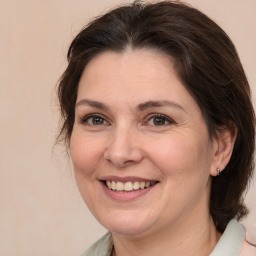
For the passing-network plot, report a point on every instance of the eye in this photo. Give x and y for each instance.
(159, 120)
(94, 119)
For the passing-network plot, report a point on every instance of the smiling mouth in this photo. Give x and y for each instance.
(128, 186)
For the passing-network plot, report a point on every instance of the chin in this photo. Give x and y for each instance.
(129, 224)
(128, 230)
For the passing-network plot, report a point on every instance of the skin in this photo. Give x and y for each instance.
(127, 140)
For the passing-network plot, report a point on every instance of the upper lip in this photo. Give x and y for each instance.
(125, 179)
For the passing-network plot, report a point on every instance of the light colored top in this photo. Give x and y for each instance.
(230, 243)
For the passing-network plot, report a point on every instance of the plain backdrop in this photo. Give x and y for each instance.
(41, 212)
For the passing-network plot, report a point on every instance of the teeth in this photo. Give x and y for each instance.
(113, 185)
(136, 185)
(142, 185)
(128, 186)
(119, 186)
(109, 184)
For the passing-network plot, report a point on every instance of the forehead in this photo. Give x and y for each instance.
(141, 63)
(132, 76)
(109, 68)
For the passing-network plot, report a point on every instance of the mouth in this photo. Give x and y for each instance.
(128, 186)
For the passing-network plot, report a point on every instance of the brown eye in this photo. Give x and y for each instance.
(94, 120)
(159, 121)
(97, 120)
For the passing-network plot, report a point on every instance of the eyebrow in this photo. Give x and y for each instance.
(162, 103)
(141, 107)
(92, 103)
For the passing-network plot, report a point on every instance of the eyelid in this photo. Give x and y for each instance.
(153, 115)
(84, 119)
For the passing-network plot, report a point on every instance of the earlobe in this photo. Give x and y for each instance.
(224, 144)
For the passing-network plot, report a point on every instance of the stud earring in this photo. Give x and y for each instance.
(218, 171)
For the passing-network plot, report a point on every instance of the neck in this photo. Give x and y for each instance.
(193, 233)
(198, 240)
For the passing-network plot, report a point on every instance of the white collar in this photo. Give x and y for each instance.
(230, 243)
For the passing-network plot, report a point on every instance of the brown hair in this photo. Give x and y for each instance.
(206, 62)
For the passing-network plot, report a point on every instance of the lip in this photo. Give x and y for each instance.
(123, 196)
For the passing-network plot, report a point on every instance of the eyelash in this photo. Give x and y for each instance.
(164, 118)
(85, 119)
(160, 116)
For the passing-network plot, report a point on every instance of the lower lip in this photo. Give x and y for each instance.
(125, 196)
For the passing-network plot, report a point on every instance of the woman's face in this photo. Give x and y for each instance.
(140, 148)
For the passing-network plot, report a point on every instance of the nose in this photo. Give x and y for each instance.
(123, 148)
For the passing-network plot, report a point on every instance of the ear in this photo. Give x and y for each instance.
(222, 148)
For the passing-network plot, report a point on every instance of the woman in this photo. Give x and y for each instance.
(158, 119)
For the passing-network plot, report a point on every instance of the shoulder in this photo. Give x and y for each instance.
(248, 249)
(102, 247)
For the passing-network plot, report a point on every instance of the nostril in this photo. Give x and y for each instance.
(129, 161)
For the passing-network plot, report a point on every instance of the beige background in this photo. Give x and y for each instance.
(41, 211)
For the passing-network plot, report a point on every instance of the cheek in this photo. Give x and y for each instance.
(85, 153)
(181, 155)
(184, 164)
